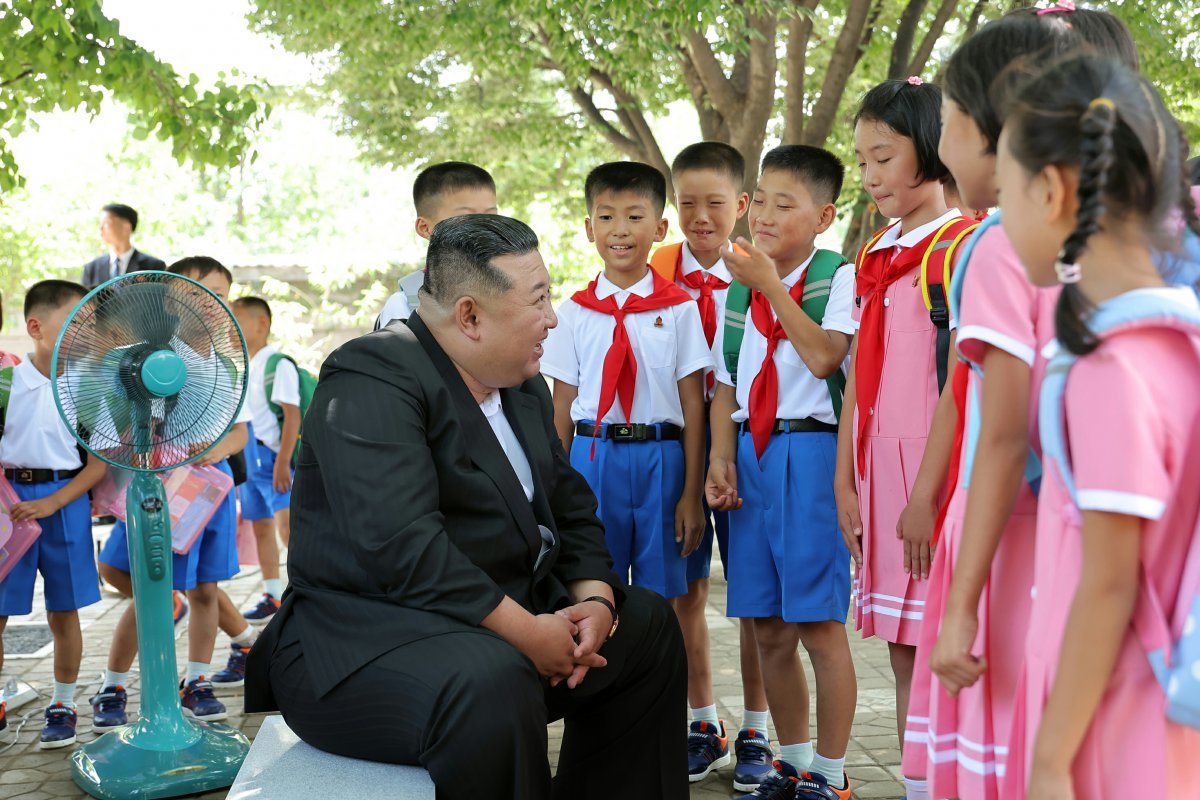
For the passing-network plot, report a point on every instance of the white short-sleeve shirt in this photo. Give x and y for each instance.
(35, 436)
(687, 265)
(286, 390)
(893, 238)
(801, 394)
(668, 344)
(395, 308)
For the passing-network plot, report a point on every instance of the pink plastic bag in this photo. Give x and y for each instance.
(193, 496)
(247, 544)
(15, 537)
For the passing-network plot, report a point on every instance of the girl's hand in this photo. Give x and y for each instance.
(850, 522)
(915, 527)
(1050, 784)
(952, 660)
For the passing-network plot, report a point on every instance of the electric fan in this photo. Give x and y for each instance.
(149, 373)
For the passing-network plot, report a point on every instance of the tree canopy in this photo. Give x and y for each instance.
(67, 54)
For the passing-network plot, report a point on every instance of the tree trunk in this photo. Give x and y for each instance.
(846, 54)
(906, 34)
(799, 33)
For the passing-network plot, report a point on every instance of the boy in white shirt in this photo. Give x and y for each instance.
(774, 433)
(51, 476)
(267, 493)
(628, 360)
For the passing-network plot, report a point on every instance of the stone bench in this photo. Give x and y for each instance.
(281, 767)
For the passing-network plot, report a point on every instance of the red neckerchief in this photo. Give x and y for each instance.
(877, 272)
(706, 284)
(619, 377)
(764, 390)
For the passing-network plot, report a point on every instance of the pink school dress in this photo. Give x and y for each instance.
(888, 602)
(1129, 455)
(960, 743)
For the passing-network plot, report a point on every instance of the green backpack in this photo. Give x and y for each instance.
(817, 283)
(308, 385)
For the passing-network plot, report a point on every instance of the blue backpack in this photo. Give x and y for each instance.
(1170, 637)
(1033, 464)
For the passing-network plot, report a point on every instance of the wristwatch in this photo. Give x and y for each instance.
(611, 609)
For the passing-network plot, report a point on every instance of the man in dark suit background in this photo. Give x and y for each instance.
(117, 224)
(450, 588)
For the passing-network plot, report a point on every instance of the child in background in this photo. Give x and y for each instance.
(628, 360)
(267, 493)
(1089, 166)
(708, 178)
(904, 344)
(6, 359)
(212, 558)
(51, 476)
(789, 568)
(449, 189)
(977, 603)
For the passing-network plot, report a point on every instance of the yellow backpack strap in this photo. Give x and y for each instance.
(862, 251)
(936, 244)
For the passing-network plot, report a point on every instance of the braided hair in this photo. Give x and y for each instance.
(1093, 113)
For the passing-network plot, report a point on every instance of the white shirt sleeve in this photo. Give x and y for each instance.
(395, 308)
(287, 384)
(693, 353)
(560, 359)
(838, 312)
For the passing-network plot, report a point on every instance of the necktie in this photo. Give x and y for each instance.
(115, 270)
(706, 284)
(619, 376)
(764, 391)
(877, 272)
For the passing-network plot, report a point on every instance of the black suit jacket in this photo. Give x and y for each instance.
(408, 519)
(98, 270)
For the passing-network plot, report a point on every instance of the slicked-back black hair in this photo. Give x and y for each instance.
(627, 176)
(461, 250)
(818, 169)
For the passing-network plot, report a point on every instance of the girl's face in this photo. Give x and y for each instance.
(964, 150)
(887, 163)
(1038, 212)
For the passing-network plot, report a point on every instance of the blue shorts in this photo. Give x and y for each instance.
(213, 556)
(258, 495)
(786, 554)
(637, 486)
(63, 554)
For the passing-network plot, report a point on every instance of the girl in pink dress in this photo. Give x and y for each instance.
(1089, 165)
(893, 386)
(969, 649)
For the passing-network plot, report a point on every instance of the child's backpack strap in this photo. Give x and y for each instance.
(818, 282)
(1170, 637)
(6, 379)
(665, 260)
(964, 260)
(937, 266)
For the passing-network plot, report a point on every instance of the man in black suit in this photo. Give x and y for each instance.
(117, 224)
(450, 588)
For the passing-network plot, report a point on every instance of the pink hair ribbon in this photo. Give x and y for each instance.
(1062, 7)
(915, 81)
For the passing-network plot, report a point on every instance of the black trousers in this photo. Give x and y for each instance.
(472, 710)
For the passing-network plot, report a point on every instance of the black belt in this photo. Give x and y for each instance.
(806, 425)
(635, 432)
(40, 475)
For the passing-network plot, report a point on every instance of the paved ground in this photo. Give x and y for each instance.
(32, 774)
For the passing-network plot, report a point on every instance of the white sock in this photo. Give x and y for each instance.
(195, 669)
(834, 770)
(756, 720)
(245, 638)
(706, 713)
(800, 756)
(273, 587)
(917, 789)
(115, 678)
(64, 693)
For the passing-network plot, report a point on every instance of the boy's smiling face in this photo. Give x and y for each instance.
(785, 219)
(710, 204)
(624, 226)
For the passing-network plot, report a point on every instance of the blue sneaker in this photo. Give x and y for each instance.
(108, 708)
(752, 751)
(234, 674)
(815, 786)
(265, 609)
(59, 730)
(778, 784)
(199, 702)
(707, 748)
